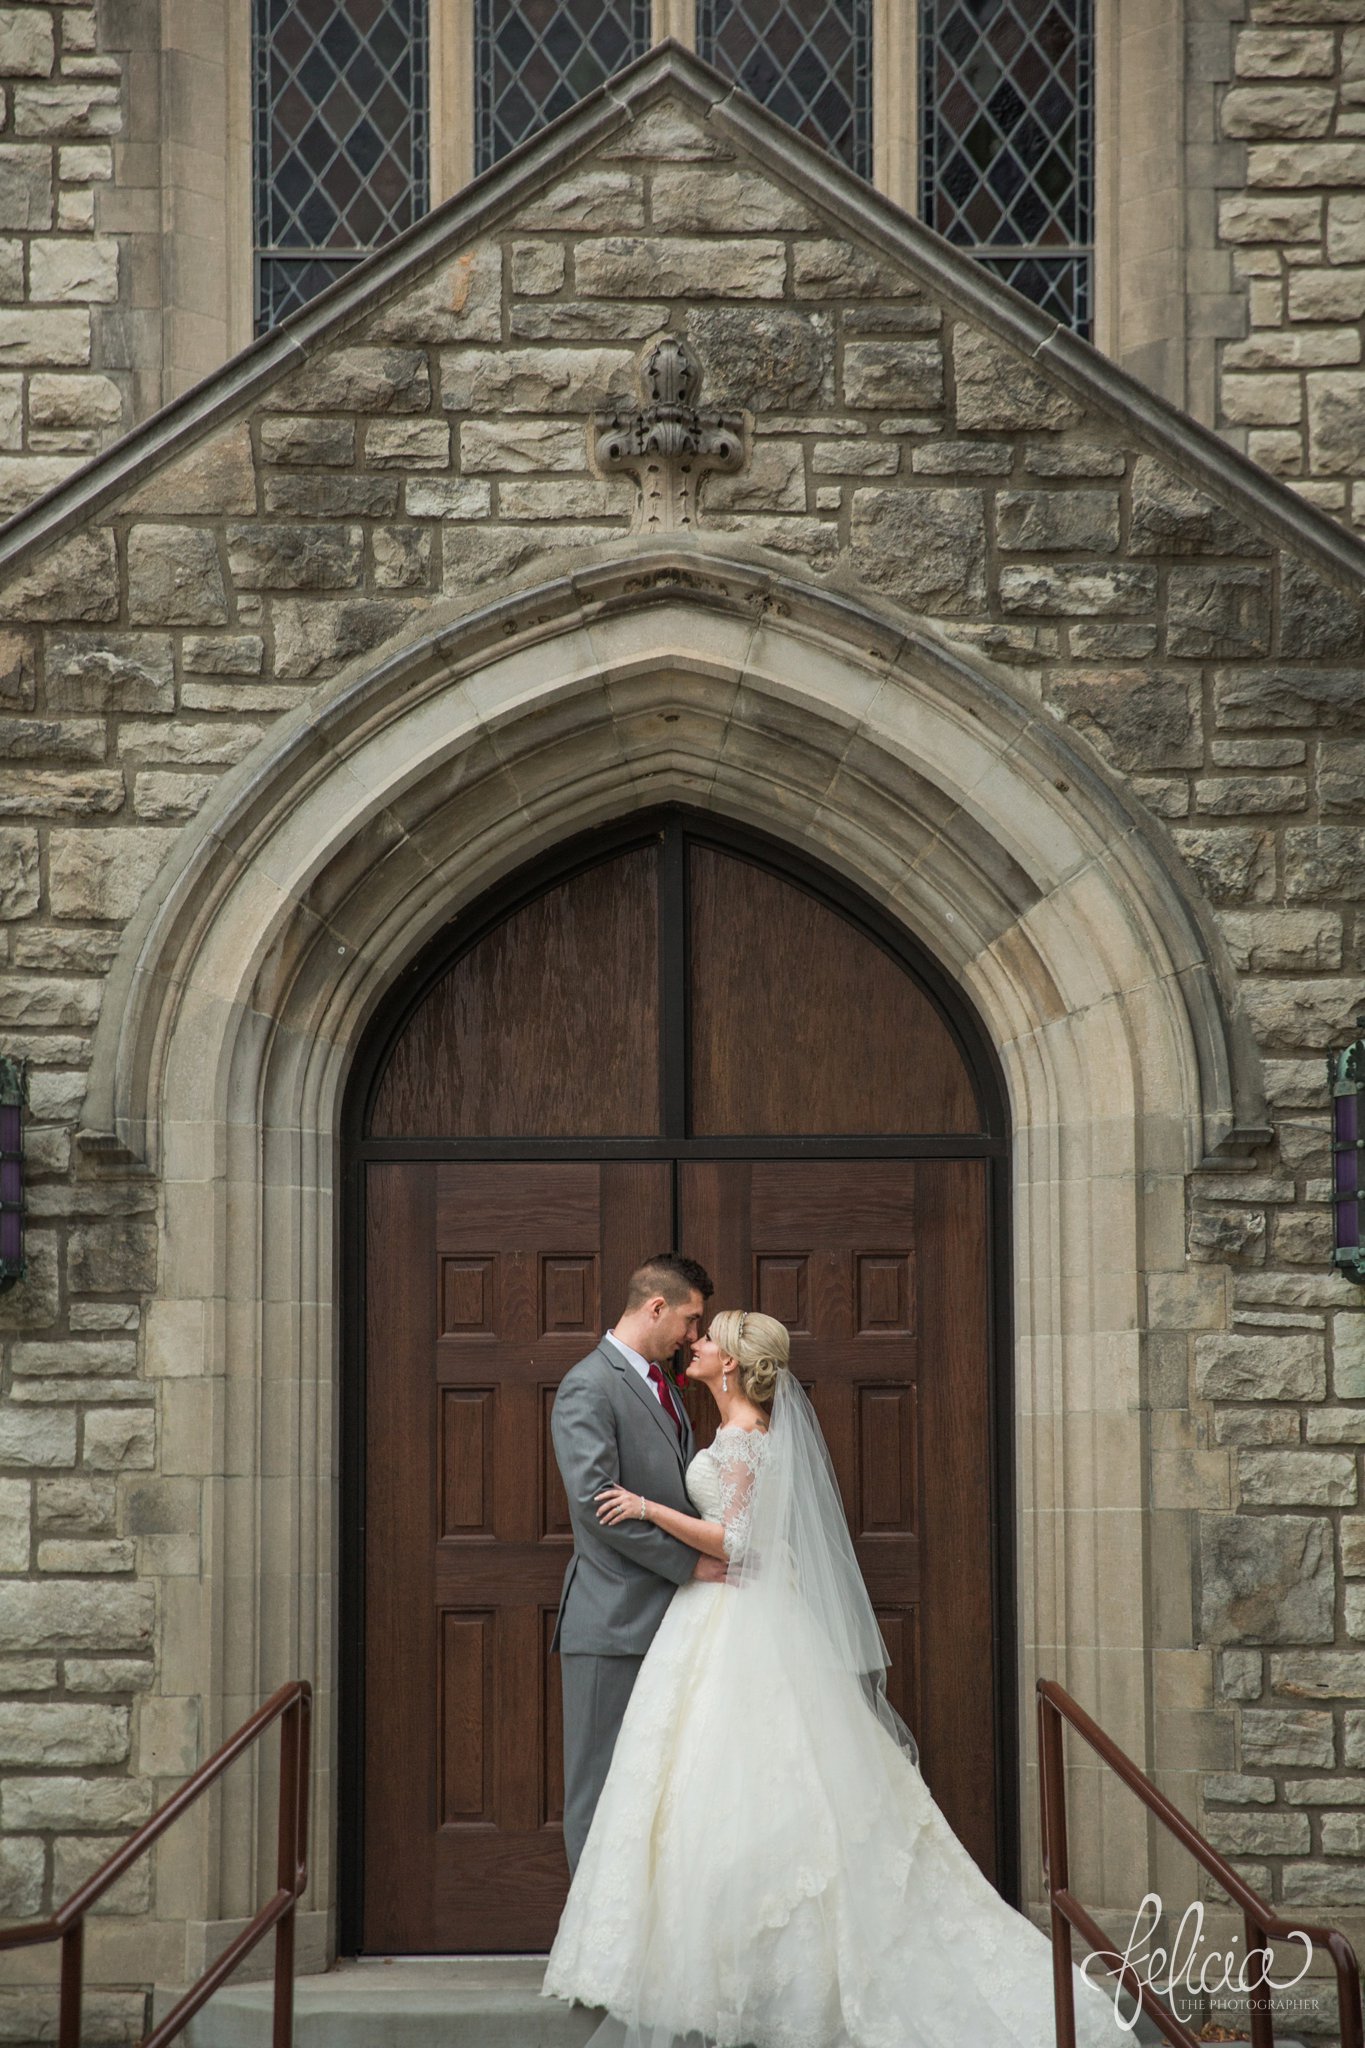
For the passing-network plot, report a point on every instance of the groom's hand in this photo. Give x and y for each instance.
(711, 1570)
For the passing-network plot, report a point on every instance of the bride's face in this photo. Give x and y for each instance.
(707, 1363)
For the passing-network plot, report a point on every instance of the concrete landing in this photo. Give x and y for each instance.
(409, 2002)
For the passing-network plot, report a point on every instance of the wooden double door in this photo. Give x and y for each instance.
(492, 1260)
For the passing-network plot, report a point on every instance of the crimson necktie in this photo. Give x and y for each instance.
(666, 1400)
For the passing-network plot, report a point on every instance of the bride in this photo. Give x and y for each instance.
(766, 1866)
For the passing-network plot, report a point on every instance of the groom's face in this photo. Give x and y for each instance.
(677, 1324)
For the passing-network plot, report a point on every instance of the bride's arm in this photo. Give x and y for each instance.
(615, 1504)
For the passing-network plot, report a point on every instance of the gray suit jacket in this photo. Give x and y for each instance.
(609, 1428)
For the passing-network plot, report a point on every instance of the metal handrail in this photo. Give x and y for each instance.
(292, 1705)
(1261, 1921)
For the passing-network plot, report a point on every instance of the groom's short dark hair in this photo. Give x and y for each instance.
(669, 1274)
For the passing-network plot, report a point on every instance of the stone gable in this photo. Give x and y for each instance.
(421, 445)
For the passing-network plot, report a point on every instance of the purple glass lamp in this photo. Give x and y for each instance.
(13, 1095)
(1346, 1078)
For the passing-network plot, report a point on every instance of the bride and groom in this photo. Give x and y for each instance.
(757, 1861)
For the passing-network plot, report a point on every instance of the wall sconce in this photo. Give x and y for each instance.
(1346, 1078)
(13, 1096)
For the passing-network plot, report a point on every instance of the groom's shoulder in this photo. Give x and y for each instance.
(593, 1362)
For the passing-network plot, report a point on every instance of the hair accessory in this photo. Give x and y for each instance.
(743, 1319)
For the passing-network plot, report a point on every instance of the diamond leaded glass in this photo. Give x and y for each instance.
(1007, 127)
(537, 58)
(340, 130)
(810, 61)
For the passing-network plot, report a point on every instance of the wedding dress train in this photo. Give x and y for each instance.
(766, 1866)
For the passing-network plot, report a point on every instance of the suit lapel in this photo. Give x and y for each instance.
(651, 1400)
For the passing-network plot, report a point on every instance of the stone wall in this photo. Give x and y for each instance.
(434, 450)
(1292, 386)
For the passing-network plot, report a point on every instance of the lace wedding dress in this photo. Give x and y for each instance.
(767, 1867)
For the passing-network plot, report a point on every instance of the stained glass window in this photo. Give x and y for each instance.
(1007, 149)
(810, 61)
(537, 58)
(340, 130)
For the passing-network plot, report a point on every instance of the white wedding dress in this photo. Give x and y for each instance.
(767, 1867)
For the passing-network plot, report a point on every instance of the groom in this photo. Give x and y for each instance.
(617, 1419)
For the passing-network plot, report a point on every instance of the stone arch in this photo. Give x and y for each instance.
(994, 836)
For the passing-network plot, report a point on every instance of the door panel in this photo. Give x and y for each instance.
(485, 1286)
(878, 1268)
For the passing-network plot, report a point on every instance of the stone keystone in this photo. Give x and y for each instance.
(668, 443)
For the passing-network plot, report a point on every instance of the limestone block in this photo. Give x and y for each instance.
(14, 1525)
(701, 199)
(1269, 400)
(1230, 867)
(264, 556)
(1336, 422)
(863, 457)
(1287, 1367)
(1314, 697)
(1239, 1678)
(313, 639)
(1297, 1478)
(76, 579)
(53, 1000)
(1218, 611)
(39, 1616)
(216, 476)
(119, 1804)
(21, 1877)
(1078, 588)
(223, 654)
(73, 267)
(1316, 617)
(1348, 1355)
(25, 186)
(1335, 1426)
(299, 438)
(72, 412)
(1072, 458)
(37, 1436)
(26, 43)
(1343, 1834)
(1259, 753)
(586, 201)
(103, 873)
(25, 477)
(68, 111)
(537, 267)
(667, 133)
(962, 458)
(1302, 1237)
(17, 689)
(210, 746)
(998, 391)
(680, 267)
(1336, 294)
(74, 1860)
(1278, 111)
(110, 672)
(548, 499)
(328, 495)
(119, 1439)
(360, 379)
(1296, 941)
(585, 320)
(402, 557)
(1325, 861)
(773, 481)
(1266, 218)
(1040, 522)
(160, 794)
(87, 1555)
(518, 446)
(538, 380)
(408, 443)
(175, 577)
(76, 210)
(766, 359)
(1221, 1233)
(1239, 796)
(1346, 227)
(1287, 1735)
(75, 1507)
(113, 1257)
(462, 301)
(1297, 1017)
(450, 498)
(842, 269)
(1293, 165)
(19, 878)
(925, 547)
(111, 1358)
(886, 374)
(1318, 1674)
(1285, 53)
(1266, 1578)
(1139, 718)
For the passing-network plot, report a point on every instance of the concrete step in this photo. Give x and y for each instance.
(399, 2002)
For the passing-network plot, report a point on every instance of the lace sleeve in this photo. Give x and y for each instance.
(737, 1453)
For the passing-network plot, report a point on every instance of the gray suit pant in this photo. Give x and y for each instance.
(596, 1690)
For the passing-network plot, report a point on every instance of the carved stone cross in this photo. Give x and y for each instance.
(668, 443)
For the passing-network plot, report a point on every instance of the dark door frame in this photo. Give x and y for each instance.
(673, 827)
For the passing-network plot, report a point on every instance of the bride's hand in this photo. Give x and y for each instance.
(614, 1504)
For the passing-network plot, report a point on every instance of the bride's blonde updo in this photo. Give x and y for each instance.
(759, 1346)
